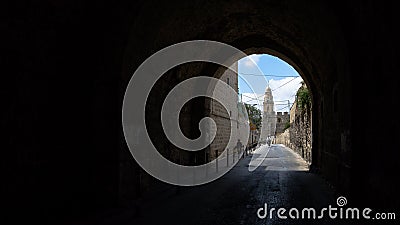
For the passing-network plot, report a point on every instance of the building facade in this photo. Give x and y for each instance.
(238, 132)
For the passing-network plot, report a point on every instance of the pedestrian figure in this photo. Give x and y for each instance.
(239, 146)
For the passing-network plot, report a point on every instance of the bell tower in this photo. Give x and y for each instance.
(269, 118)
(268, 101)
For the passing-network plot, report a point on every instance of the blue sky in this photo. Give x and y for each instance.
(253, 87)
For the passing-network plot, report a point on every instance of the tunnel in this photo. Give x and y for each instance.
(70, 63)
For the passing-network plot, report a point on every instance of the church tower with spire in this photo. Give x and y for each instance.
(269, 117)
(268, 101)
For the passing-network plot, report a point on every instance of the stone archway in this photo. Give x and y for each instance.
(314, 49)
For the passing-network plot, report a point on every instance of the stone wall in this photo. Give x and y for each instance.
(298, 135)
(300, 132)
(283, 138)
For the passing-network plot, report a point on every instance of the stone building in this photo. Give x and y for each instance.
(222, 117)
(282, 121)
(268, 126)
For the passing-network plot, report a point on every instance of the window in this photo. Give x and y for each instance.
(227, 81)
(279, 120)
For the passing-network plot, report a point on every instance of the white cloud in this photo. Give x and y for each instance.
(250, 61)
(280, 94)
(286, 92)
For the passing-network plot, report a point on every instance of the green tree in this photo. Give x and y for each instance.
(254, 115)
(287, 125)
(303, 98)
